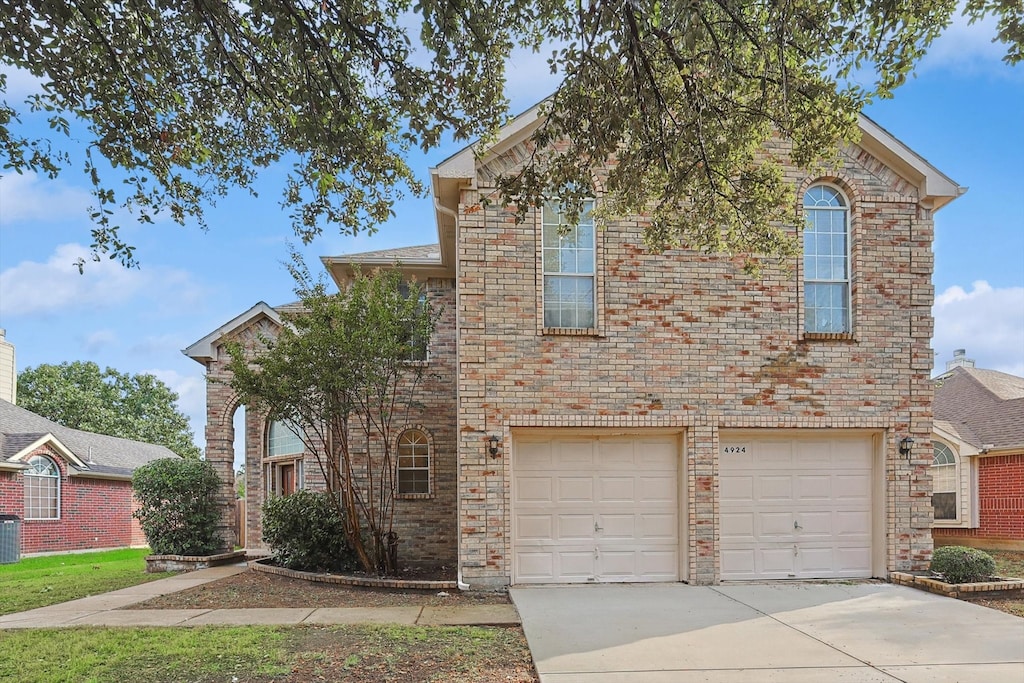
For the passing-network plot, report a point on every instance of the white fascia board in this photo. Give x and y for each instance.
(935, 187)
(55, 443)
(202, 350)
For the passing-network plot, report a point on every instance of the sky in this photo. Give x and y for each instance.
(963, 111)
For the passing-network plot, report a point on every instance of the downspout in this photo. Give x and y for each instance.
(462, 585)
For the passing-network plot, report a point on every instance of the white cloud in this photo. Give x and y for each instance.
(33, 288)
(965, 47)
(986, 321)
(97, 341)
(28, 197)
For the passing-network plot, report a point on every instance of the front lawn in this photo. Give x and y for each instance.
(1009, 564)
(41, 581)
(268, 653)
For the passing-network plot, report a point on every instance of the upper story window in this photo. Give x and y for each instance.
(826, 261)
(944, 482)
(42, 489)
(418, 344)
(413, 462)
(283, 470)
(569, 269)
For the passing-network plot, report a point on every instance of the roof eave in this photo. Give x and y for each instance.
(202, 351)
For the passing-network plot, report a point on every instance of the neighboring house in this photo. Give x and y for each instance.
(978, 466)
(72, 489)
(601, 413)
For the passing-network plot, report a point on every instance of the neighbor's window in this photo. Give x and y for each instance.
(42, 489)
(413, 462)
(569, 275)
(944, 482)
(826, 261)
(283, 468)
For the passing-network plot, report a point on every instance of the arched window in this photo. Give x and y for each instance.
(283, 468)
(413, 462)
(42, 489)
(944, 482)
(826, 261)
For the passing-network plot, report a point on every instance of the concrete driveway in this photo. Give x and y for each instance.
(661, 633)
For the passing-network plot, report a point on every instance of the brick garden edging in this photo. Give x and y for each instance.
(189, 563)
(262, 565)
(1003, 588)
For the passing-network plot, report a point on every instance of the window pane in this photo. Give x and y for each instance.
(551, 260)
(944, 505)
(281, 440)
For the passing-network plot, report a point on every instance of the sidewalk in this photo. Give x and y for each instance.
(105, 610)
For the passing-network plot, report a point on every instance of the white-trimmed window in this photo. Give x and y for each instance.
(569, 258)
(944, 483)
(826, 261)
(282, 469)
(419, 345)
(42, 488)
(413, 462)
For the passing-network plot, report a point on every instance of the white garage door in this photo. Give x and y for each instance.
(595, 509)
(795, 508)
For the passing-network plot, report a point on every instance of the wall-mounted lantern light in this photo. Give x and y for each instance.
(492, 445)
(906, 443)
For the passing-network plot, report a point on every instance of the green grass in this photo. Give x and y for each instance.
(1008, 562)
(41, 581)
(142, 654)
(263, 653)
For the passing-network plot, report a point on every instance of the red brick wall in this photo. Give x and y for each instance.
(1000, 501)
(94, 513)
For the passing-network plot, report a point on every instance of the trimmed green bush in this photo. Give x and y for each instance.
(305, 532)
(176, 506)
(959, 564)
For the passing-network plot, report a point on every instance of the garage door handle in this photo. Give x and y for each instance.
(796, 525)
(598, 528)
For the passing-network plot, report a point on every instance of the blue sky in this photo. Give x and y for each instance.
(964, 112)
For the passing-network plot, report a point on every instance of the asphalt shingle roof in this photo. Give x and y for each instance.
(103, 454)
(985, 406)
(418, 253)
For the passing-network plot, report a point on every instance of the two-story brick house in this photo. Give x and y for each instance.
(602, 413)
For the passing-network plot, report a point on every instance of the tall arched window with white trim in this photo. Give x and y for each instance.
(944, 483)
(42, 488)
(826, 261)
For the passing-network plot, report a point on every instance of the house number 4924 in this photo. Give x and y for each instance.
(734, 449)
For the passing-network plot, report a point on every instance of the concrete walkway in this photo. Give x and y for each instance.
(797, 633)
(105, 610)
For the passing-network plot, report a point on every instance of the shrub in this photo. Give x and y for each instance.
(959, 564)
(305, 531)
(177, 509)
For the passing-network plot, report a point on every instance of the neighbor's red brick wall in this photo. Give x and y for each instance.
(94, 513)
(1001, 503)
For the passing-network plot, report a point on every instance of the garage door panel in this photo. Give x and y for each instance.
(608, 507)
(616, 489)
(736, 487)
(575, 528)
(821, 530)
(655, 527)
(572, 489)
(535, 527)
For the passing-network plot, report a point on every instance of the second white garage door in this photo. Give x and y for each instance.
(795, 507)
(595, 508)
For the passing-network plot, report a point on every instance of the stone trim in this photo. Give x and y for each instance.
(188, 563)
(342, 580)
(999, 588)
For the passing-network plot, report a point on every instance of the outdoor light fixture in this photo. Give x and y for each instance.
(492, 445)
(906, 443)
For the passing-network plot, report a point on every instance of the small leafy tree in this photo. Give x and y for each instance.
(305, 531)
(177, 509)
(339, 374)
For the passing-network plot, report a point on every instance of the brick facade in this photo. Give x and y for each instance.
(687, 340)
(425, 523)
(94, 513)
(1000, 504)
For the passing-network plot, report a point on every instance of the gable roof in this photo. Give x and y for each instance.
(423, 261)
(86, 453)
(204, 350)
(985, 407)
